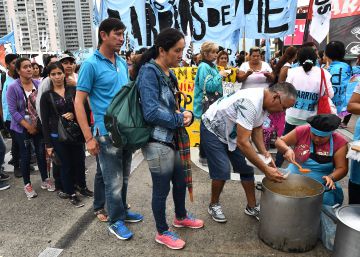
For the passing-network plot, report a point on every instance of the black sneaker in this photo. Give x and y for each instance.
(63, 195)
(74, 200)
(17, 172)
(4, 185)
(4, 176)
(254, 212)
(86, 192)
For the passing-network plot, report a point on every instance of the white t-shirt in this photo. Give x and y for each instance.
(307, 85)
(244, 107)
(257, 78)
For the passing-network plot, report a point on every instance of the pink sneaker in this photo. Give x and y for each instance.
(189, 222)
(48, 185)
(170, 239)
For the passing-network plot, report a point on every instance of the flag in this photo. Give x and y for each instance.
(320, 23)
(308, 20)
(7, 46)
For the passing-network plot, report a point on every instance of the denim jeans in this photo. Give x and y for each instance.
(111, 179)
(72, 157)
(2, 150)
(165, 166)
(279, 156)
(23, 140)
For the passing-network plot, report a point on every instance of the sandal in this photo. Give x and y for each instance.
(101, 215)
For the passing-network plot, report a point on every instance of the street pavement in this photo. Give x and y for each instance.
(48, 226)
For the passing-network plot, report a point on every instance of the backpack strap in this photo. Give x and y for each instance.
(53, 103)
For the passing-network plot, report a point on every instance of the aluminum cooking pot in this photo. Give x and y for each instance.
(347, 239)
(290, 213)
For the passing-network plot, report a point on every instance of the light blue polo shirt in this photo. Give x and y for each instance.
(6, 113)
(101, 79)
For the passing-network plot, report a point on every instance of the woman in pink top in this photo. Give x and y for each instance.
(318, 148)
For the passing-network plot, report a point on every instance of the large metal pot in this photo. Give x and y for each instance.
(347, 239)
(290, 213)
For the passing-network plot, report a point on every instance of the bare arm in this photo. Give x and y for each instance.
(283, 145)
(283, 74)
(243, 142)
(341, 167)
(91, 143)
(354, 104)
(257, 137)
(242, 76)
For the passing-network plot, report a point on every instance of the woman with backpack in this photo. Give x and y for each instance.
(23, 126)
(158, 86)
(56, 102)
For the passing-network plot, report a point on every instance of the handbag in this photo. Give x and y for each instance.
(208, 98)
(68, 130)
(325, 104)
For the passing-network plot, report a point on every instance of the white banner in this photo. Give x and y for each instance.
(212, 20)
(320, 22)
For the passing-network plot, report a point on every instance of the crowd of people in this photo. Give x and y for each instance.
(38, 102)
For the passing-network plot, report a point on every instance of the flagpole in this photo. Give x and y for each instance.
(243, 43)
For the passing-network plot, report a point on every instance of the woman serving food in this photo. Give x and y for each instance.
(319, 149)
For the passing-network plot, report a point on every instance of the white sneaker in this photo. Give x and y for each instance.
(29, 191)
(48, 185)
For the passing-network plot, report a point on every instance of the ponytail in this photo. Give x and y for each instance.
(149, 54)
(307, 58)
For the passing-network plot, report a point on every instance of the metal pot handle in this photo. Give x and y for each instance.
(259, 186)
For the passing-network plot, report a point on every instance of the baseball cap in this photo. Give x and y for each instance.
(65, 56)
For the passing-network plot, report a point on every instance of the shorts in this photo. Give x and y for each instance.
(219, 158)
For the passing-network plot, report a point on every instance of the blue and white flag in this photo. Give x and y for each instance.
(9, 41)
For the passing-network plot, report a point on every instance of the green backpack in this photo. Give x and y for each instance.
(124, 119)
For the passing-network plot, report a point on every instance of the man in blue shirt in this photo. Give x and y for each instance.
(101, 76)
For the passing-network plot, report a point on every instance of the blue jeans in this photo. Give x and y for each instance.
(165, 166)
(23, 140)
(111, 179)
(2, 150)
(279, 156)
(72, 157)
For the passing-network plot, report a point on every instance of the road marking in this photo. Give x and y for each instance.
(50, 252)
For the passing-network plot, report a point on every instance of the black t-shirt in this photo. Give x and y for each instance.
(49, 117)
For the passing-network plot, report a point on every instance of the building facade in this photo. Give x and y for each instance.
(75, 24)
(48, 25)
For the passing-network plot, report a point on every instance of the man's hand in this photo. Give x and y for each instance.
(268, 155)
(249, 72)
(273, 174)
(92, 146)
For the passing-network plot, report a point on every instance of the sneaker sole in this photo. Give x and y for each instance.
(250, 214)
(5, 187)
(217, 220)
(181, 226)
(171, 247)
(119, 237)
(4, 179)
(133, 221)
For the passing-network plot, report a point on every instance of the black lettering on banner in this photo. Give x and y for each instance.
(157, 5)
(113, 14)
(224, 13)
(150, 24)
(324, 6)
(176, 14)
(135, 25)
(193, 73)
(260, 6)
(196, 36)
(186, 18)
(248, 5)
(182, 75)
(165, 20)
(236, 5)
(268, 12)
(213, 17)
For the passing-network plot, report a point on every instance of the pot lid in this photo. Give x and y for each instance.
(350, 216)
